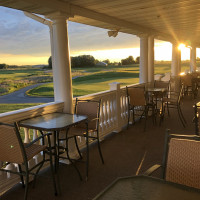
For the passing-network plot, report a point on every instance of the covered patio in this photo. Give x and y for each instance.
(130, 152)
(126, 152)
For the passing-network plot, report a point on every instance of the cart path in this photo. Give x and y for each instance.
(20, 96)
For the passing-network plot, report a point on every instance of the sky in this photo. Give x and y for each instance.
(24, 41)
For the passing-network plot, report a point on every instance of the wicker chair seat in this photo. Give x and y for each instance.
(170, 100)
(33, 150)
(79, 131)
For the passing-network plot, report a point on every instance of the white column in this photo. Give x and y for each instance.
(143, 59)
(150, 59)
(61, 63)
(193, 58)
(175, 55)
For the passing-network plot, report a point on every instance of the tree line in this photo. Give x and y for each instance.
(90, 61)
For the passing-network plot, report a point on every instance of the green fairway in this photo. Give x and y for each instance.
(86, 80)
(94, 82)
(10, 107)
(96, 79)
(20, 77)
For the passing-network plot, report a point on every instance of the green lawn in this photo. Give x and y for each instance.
(89, 80)
(96, 79)
(10, 107)
(19, 77)
(91, 83)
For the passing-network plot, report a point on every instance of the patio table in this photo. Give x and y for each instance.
(56, 122)
(147, 188)
(155, 93)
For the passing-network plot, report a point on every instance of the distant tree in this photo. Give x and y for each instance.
(107, 61)
(137, 60)
(83, 61)
(128, 61)
(3, 66)
(78, 61)
(50, 62)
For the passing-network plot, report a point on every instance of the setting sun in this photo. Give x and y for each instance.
(181, 46)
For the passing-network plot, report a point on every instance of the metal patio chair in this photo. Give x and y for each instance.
(138, 104)
(181, 160)
(161, 84)
(13, 150)
(90, 108)
(173, 101)
(187, 84)
(159, 96)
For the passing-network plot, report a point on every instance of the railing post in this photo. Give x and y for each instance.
(116, 86)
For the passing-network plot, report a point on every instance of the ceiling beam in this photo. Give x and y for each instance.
(72, 10)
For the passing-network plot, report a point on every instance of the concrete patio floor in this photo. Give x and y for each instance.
(127, 153)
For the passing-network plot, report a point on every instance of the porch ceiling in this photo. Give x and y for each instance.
(165, 19)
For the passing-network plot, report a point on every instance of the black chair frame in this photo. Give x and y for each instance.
(26, 171)
(144, 111)
(88, 137)
(166, 149)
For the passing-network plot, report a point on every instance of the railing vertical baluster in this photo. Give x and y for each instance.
(106, 113)
(26, 135)
(35, 136)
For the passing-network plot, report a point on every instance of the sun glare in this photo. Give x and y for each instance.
(181, 46)
(111, 54)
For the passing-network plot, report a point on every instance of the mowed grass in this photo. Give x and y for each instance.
(18, 74)
(13, 79)
(96, 79)
(11, 107)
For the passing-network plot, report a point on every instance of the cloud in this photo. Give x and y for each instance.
(84, 37)
(20, 34)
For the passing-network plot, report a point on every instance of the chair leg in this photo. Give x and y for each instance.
(77, 147)
(145, 117)
(26, 185)
(100, 152)
(133, 116)
(180, 117)
(154, 114)
(36, 173)
(168, 109)
(162, 113)
(52, 172)
(70, 160)
(21, 176)
(87, 152)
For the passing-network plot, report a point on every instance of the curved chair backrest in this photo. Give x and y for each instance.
(182, 160)
(161, 84)
(180, 93)
(91, 109)
(187, 80)
(136, 96)
(11, 146)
